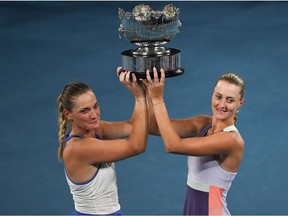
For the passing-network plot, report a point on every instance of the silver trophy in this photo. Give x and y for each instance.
(150, 30)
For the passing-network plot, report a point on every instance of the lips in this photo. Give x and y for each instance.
(221, 111)
(94, 122)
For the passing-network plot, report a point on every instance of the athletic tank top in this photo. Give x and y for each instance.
(208, 183)
(99, 195)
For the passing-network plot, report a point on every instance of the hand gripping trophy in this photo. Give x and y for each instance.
(150, 30)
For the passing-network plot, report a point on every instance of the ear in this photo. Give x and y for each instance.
(242, 102)
(67, 114)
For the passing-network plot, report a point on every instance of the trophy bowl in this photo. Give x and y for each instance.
(150, 30)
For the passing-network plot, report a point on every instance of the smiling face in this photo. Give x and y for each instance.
(85, 114)
(226, 100)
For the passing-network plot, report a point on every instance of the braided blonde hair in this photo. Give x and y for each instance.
(65, 102)
(236, 80)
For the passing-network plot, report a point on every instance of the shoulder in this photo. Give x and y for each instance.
(232, 140)
(77, 148)
(72, 147)
(235, 135)
(233, 150)
(239, 141)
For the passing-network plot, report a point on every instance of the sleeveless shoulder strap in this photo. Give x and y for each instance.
(68, 137)
(230, 128)
(204, 130)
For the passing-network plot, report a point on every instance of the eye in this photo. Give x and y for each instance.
(230, 100)
(218, 97)
(86, 110)
(96, 106)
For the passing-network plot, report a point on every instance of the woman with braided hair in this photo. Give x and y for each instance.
(89, 146)
(213, 144)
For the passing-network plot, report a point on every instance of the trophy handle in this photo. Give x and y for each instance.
(121, 31)
(179, 26)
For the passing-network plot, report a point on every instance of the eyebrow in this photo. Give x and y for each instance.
(84, 108)
(88, 107)
(222, 95)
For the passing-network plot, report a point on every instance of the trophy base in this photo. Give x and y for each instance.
(171, 63)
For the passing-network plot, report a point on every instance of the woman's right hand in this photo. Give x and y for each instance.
(155, 87)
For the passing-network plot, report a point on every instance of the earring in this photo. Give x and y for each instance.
(237, 112)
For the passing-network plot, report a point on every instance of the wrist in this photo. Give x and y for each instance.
(155, 103)
(140, 99)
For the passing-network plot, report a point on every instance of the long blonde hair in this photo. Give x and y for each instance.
(66, 101)
(236, 80)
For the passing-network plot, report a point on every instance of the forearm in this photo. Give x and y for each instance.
(134, 113)
(140, 125)
(170, 137)
(153, 126)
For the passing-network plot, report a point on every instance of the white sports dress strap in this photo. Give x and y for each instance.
(230, 128)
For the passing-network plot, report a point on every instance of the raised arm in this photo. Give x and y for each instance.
(91, 150)
(122, 129)
(185, 127)
(139, 120)
(215, 144)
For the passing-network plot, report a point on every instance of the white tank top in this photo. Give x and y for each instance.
(99, 195)
(204, 172)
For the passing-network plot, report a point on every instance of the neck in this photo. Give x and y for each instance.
(82, 132)
(218, 125)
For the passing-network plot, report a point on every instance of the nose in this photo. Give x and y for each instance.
(93, 113)
(222, 103)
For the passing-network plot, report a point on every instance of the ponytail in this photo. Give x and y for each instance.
(62, 124)
(65, 101)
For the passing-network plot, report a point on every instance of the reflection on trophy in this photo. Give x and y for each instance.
(150, 30)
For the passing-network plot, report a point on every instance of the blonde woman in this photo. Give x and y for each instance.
(89, 146)
(213, 144)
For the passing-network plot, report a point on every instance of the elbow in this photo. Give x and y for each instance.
(137, 145)
(138, 151)
(142, 147)
(139, 148)
(172, 146)
(170, 149)
(154, 131)
(142, 150)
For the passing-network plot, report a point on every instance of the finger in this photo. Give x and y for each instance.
(148, 76)
(156, 79)
(162, 80)
(122, 76)
(144, 81)
(127, 76)
(119, 71)
(134, 78)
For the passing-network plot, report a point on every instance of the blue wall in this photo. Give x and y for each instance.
(44, 45)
